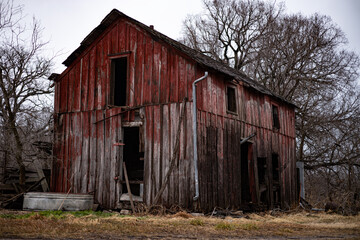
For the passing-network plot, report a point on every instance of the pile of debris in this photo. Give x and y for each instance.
(11, 192)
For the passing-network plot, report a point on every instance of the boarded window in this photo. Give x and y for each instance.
(231, 99)
(118, 81)
(275, 114)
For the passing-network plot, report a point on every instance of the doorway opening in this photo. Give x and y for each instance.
(262, 177)
(134, 161)
(276, 179)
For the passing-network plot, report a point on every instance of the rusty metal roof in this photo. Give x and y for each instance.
(197, 56)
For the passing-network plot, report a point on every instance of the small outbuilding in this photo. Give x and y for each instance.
(126, 96)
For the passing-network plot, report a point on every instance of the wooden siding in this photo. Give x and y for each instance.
(159, 77)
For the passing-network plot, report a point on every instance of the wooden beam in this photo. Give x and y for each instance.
(128, 187)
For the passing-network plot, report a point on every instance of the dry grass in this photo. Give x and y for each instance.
(84, 226)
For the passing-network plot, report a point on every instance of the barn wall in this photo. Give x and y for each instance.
(219, 160)
(86, 159)
(157, 73)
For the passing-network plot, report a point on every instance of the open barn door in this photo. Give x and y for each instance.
(133, 156)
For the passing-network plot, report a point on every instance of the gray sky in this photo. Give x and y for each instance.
(67, 22)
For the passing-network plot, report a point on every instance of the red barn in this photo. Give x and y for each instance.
(126, 96)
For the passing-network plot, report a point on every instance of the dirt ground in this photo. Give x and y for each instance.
(93, 225)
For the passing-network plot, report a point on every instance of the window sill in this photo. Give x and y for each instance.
(232, 113)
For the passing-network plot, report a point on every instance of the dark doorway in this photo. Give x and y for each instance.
(262, 176)
(134, 160)
(245, 186)
(276, 178)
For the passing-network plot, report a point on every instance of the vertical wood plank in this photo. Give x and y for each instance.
(227, 149)
(132, 65)
(166, 158)
(108, 148)
(85, 154)
(182, 78)
(190, 193)
(92, 153)
(85, 82)
(148, 70)
(99, 157)
(64, 93)
(164, 76)
(122, 36)
(156, 69)
(92, 80)
(98, 86)
(139, 61)
(77, 86)
(148, 154)
(182, 159)
(174, 177)
(77, 150)
(70, 98)
(156, 151)
(220, 161)
(174, 79)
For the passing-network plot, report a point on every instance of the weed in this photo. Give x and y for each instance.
(197, 222)
(183, 215)
(249, 226)
(58, 214)
(285, 230)
(16, 216)
(49, 213)
(8, 216)
(224, 226)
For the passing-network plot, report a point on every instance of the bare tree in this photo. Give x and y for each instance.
(22, 72)
(304, 60)
(229, 31)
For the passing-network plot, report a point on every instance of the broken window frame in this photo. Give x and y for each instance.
(231, 86)
(123, 100)
(275, 116)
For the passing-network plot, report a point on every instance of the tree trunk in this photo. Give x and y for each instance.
(18, 149)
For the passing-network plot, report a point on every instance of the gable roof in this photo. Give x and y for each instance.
(197, 56)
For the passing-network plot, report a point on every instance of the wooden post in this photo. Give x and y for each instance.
(44, 185)
(128, 187)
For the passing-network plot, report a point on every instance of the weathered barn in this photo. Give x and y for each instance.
(120, 100)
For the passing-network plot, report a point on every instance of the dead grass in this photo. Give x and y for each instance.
(182, 224)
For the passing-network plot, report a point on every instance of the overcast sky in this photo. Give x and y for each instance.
(67, 22)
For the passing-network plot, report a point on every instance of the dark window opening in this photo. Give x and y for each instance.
(231, 99)
(118, 81)
(275, 114)
(134, 160)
